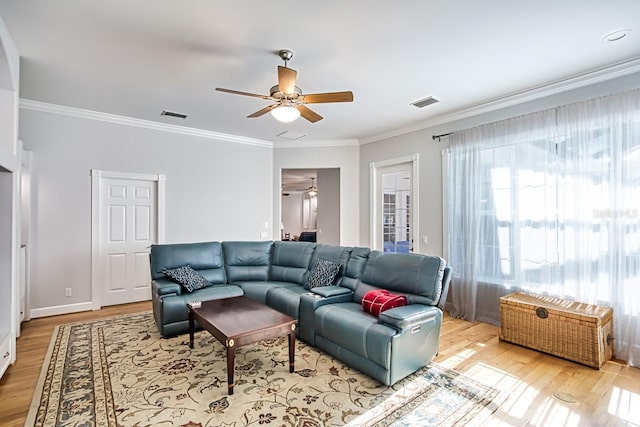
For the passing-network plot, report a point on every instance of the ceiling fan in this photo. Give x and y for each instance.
(313, 190)
(290, 102)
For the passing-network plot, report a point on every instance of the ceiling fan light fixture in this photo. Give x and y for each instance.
(313, 190)
(285, 113)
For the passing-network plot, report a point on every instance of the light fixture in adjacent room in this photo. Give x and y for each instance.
(313, 190)
(285, 113)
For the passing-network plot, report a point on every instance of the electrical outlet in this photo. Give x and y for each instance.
(67, 292)
(425, 239)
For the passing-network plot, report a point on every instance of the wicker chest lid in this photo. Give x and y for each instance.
(599, 315)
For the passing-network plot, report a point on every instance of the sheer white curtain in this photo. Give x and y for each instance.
(549, 203)
(600, 207)
(485, 171)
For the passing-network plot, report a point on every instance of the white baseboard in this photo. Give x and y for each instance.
(60, 309)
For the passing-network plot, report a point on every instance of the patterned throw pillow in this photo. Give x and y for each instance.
(322, 274)
(188, 278)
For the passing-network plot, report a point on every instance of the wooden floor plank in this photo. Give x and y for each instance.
(606, 397)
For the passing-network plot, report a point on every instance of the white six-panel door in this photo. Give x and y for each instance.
(127, 227)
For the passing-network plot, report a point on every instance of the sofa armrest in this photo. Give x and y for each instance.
(331, 291)
(163, 287)
(446, 279)
(408, 316)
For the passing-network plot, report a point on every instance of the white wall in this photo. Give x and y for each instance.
(430, 171)
(215, 190)
(328, 206)
(344, 158)
(292, 213)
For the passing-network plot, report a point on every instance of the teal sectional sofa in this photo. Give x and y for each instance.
(388, 347)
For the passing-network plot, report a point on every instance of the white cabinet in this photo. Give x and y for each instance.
(7, 295)
(9, 195)
(5, 354)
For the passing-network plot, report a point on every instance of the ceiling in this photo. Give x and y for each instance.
(297, 180)
(138, 58)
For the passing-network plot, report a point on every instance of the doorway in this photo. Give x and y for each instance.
(128, 217)
(310, 201)
(394, 205)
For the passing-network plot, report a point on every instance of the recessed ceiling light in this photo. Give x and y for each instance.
(615, 36)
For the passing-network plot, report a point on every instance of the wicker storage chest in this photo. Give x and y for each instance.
(571, 330)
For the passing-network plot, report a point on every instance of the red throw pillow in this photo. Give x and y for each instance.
(379, 300)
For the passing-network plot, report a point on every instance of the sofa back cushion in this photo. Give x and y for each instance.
(290, 261)
(355, 267)
(247, 261)
(419, 277)
(204, 257)
(337, 254)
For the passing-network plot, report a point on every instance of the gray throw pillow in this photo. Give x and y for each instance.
(322, 274)
(188, 278)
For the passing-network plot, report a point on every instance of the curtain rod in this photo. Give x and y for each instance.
(442, 135)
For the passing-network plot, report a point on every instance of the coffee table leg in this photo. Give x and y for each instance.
(190, 327)
(292, 350)
(231, 355)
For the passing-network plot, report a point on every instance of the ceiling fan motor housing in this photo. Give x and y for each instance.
(286, 55)
(275, 93)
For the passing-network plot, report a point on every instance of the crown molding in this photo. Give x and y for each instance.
(28, 104)
(574, 82)
(317, 143)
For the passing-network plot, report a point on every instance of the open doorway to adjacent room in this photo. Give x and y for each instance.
(311, 205)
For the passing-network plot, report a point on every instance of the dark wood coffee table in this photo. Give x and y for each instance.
(239, 321)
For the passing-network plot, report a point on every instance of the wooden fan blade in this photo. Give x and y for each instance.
(262, 112)
(237, 92)
(309, 114)
(286, 80)
(319, 98)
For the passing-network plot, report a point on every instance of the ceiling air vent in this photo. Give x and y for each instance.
(425, 101)
(173, 114)
(293, 135)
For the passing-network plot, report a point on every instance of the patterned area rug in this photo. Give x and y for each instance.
(119, 371)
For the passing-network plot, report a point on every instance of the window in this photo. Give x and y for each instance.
(396, 189)
(549, 203)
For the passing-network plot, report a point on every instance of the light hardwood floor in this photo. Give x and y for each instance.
(531, 380)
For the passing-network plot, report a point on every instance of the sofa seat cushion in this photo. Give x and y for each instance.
(286, 299)
(258, 290)
(175, 306)
(348, 326)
